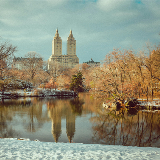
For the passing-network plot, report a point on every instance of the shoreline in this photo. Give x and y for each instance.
(39, 92)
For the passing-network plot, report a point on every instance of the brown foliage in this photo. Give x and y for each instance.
(6, 55)
(125, 74)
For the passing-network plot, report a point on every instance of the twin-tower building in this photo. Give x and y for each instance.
(68, 60)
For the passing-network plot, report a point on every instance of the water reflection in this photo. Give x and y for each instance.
(14, 102)
(6, 131)
(127, 127)
(22, 114)
(7, 108)
(35, 117)
(132, 111)
(80, 120)
(64, 109)
(76, 105)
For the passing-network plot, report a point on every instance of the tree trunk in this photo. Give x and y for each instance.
(147, 93)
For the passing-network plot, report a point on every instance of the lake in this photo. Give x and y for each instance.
(78, 120)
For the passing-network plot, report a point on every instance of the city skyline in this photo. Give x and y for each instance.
(99, 26)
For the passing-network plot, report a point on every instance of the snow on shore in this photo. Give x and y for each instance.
(38, 92)
(12, 148)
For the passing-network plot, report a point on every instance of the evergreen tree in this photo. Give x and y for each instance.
(77, 82)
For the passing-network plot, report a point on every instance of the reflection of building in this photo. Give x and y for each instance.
(56, 113)
(69, 60)
(91, 63)
(56, 127)
(70, 125)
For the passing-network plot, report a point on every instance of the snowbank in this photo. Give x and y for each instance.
(18, 149)
(39, 92)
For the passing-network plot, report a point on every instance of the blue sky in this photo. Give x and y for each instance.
(98, 26)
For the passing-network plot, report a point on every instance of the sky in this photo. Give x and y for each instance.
(99, 26)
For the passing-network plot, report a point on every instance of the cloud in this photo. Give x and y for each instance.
(114, 5)
(97, 25)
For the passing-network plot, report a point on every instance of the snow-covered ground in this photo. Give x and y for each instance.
(12, 148)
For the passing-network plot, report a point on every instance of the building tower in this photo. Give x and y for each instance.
(71, 44)
(68, 60)
(71, 51)
(57, 45)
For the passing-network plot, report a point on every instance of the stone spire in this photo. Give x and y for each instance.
(57, 34)
(57, 44)
(71, 44)
(70, 35)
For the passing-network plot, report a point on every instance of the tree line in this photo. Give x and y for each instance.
(126, 74)
(123, 73)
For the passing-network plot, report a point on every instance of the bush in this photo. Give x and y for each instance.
(8, 84)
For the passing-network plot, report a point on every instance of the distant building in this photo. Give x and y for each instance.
(69, 60)
(17, 63)
(21, 63)
(91, 63)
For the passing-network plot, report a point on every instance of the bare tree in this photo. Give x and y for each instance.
(32, 64)
(54, 70)
(152, 65)
(6, 55)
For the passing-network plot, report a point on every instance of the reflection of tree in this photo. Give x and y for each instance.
(142, 129)
(28, 110)
(15, 103)
(107, 125)
(36, 116)
(7, 112)
(76, 105)
(132, 111)
(5, 130)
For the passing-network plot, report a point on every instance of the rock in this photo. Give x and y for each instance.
(105, 105)
(132, 102)
(116, 105)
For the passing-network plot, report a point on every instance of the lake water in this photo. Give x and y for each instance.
(79, 120)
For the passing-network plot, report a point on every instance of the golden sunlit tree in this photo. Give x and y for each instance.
(6, 56)
(32, 65)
